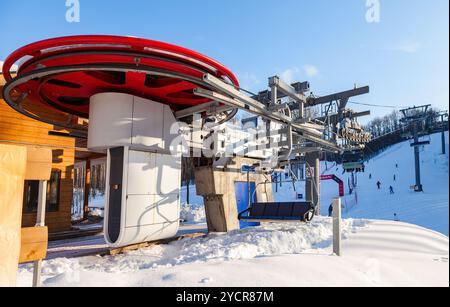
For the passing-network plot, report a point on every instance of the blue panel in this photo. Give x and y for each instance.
(248, 169)
(242, 200)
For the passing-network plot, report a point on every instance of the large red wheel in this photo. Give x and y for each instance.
(63, 73)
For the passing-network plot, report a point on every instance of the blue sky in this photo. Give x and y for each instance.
(404, 57)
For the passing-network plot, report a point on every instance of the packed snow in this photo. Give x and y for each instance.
(270, 240)
(375, 254)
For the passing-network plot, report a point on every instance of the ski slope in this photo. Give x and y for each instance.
(428, 209)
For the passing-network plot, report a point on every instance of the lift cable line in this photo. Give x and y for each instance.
(375, 105)
(313, 96)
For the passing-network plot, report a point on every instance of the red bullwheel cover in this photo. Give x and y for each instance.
(63, 73)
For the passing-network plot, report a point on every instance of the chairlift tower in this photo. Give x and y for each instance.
(414, 116)
(443, 115)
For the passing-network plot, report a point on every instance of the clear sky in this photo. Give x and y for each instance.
(404, 57)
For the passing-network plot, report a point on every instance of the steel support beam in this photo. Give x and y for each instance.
(338, 96)
(313, 182)
(306, 150)
(285, 89)
(299, 87)
(305, 132)
(231, 90)
(196, 109)
(238, 100)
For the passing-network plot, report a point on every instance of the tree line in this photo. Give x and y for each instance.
(389, 123)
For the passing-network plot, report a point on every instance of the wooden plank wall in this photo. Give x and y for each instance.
(16, 127)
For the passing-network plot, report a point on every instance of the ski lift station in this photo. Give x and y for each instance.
(147, 106)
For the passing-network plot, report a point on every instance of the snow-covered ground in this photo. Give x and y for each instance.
(375, 254)
(377, 250)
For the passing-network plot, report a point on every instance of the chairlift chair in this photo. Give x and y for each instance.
(279, 212)
(353, 161)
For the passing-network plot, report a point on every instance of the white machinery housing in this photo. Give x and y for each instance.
(143, 177)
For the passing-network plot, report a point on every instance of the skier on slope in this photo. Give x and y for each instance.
(379, 185)
(391, 190)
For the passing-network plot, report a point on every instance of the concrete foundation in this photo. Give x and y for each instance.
(217, 186)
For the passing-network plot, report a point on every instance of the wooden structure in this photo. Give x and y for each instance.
(19, 164)
(34, 240)
(12, 172)
(17, 129)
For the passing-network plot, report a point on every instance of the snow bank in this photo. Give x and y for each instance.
(250, 243)
(379, 253)
(267, 240)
